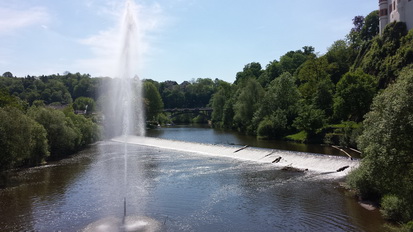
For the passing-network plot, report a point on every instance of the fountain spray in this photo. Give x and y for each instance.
(127, 104)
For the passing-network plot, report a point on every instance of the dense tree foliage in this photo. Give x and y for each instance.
(22, 140)
(387, 144)
(194, 94)
(365, 28)
(31, 135)
(384, 56)
(153, 101)
(279, 107)
(247, 102)
(354, 94)
(65, 134)
(84, 104)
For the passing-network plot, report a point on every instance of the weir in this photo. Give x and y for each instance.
(324, 164)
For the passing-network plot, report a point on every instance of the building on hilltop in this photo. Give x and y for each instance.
(395, 11)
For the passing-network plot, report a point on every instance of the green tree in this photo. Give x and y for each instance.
(251, 70)
(387, 145)
(274, 125)
(310, 74)
(339, 57)
(22, 140)
(247, 103)
(62, 136)
(309, 119)
(85, 104)
(198, 93)
(173, 98)
(154, 103)
(371, 26)
(354, 94)
(82, 88)
(56, 91)
(365, 28)
(89, 131)
(218, 102)
(8, 75)
(354, 36)
(273, 69)
(292, 60)
(279, 106)
(7, 100)
(386, 55)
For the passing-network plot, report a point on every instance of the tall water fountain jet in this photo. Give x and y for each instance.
(123, 111)
(124, 116)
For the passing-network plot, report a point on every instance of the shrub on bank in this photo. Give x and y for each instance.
(23, 141)
(65, 133)
(386, 171)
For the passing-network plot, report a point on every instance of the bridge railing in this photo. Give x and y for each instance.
(206, 109)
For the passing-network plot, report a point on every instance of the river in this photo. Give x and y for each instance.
(180, 191)
(202, 133)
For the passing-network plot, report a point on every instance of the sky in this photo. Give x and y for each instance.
(179, 40)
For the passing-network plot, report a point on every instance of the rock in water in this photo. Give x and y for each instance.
(277, 160)
(342, 169)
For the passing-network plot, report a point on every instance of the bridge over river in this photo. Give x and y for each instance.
(204, 111)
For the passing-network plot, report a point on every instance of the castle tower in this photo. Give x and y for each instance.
(395, 11)
(384, 11)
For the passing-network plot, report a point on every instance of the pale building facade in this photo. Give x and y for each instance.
(395, 10)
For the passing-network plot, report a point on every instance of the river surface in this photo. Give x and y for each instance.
(201, 133)
(179, 191)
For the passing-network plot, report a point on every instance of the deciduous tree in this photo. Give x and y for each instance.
(387, 145)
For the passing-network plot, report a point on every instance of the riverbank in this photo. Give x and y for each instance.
(331, 166)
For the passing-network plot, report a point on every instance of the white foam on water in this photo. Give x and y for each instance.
(325, 164)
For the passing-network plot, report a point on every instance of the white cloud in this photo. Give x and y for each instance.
(107, 44)
(104, 47)
(14, 19)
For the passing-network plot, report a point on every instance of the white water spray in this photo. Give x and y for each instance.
(123, 108)
(129, 93)
(325, 165)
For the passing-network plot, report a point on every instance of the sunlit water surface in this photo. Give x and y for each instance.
(202, 133)
(178, 190)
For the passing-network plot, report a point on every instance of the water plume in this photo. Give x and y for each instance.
(123, 109)
(123, 112)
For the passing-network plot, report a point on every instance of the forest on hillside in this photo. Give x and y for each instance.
(358, 94)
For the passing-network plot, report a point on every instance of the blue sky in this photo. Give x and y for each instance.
(179, 39)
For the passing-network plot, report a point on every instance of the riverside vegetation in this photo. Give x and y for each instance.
(358, 94)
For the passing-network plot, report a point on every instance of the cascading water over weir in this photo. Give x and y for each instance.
(325, 166)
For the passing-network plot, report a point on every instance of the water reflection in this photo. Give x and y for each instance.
(182, 191)
(32, 193)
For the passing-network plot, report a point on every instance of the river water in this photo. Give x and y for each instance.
(180, 191)
(202, 133)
